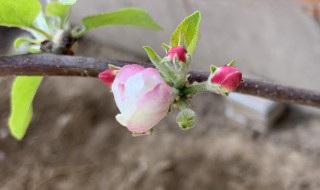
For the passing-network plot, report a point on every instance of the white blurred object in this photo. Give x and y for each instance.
(253, 112)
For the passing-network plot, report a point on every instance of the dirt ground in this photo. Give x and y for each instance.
(74, 142)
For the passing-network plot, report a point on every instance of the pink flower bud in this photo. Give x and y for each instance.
(142, 97)
(178, 51)
(108, 76)
(228, 77)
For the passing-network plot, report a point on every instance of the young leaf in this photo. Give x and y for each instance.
(19, 13)
(19, 41)
(68, 2)
(60, 10)
(22, 94)
(189, 27)
(57, 9)
(165, 47)
(153, 56)
(128, 16)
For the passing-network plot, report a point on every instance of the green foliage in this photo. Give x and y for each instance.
(68, 2)
(60, 10)
(22, 94)
(189, 29)
(127, 16)
(165, 47)
(19, 13)
(19, 41)
(153, 56)
(28, 15)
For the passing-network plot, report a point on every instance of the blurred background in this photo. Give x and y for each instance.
(239, 143)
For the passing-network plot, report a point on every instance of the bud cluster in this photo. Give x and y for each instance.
(175, 65)
(145, 95)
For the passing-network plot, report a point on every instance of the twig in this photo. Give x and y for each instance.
(59, 65)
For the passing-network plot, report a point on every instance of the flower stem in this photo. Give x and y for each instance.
(194, 88)
(183, 104)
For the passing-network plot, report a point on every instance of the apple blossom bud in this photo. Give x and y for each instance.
(227, 77)
(142, 97)
(179, 51)
(108, 76)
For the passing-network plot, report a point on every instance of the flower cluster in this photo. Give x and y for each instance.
(144, 96)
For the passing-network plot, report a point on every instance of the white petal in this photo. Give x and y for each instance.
(121, 119)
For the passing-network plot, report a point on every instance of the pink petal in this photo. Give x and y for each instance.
(126, 72)
(108, 76)
(228, 77)
(151, 108)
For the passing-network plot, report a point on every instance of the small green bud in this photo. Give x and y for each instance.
(186, 119)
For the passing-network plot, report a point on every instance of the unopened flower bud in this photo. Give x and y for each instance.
(142, 97)
(227, 77)
(179, 51)
(108, 76)
(186, 119)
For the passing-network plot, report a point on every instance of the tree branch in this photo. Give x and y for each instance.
(59, 65)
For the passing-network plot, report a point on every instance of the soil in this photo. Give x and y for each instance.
(74, 142)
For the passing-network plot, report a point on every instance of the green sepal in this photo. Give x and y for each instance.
(231, 63)
(166, 47)
(153, 56)
(164, 71)
(213, 68)
(215, 88)
(111, 66)
(147, 133)
(165, 60)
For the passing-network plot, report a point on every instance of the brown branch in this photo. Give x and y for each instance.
(59, 65)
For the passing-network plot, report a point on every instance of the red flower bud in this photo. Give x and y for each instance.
(178, 51)
(228, 77)
(108, 76)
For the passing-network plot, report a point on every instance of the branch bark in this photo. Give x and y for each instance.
(60, 65)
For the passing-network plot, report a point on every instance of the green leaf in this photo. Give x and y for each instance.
(57, 9)
(153, 56)
(19, 41)
(165, 47)
(22, 94)
(189, 27)
(128, 16)
(19, 13)
(68, 2)
(60, 10)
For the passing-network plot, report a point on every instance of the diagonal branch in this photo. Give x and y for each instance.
(60, 65)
